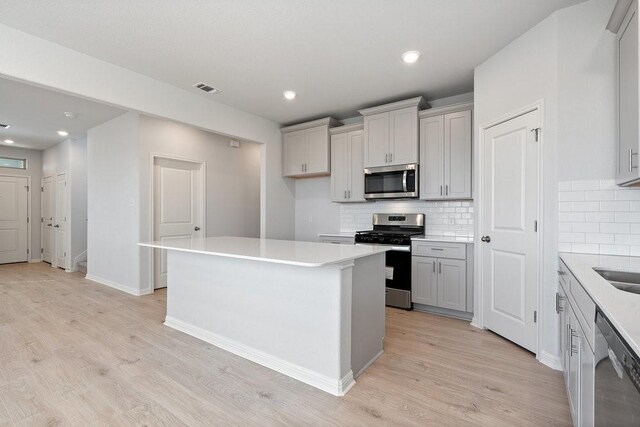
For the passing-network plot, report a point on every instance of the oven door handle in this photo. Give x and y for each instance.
(404, 181)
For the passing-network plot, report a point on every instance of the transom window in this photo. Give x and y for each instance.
(11, 163)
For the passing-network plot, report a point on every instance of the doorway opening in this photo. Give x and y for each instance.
(178, 206)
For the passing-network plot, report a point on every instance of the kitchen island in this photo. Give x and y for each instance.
(312, 311)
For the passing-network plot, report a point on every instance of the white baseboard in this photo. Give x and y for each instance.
(476, 324)
(336, 387)
(34, 260)
(550, 360)
(118, 286)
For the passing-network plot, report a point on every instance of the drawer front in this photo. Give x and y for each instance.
(439, 250)
(337, 240)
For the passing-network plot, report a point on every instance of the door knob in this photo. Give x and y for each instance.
(49, 225)
(197, 228)
(486, 239)
(57, 226)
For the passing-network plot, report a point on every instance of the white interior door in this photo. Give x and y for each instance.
(13, 219)
(47, 219)
(510, 209)
(60, 221)
(178, 202)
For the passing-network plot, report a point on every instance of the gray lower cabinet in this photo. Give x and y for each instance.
(577, 321)
(442, 281)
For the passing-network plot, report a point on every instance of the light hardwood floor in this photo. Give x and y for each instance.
(75, 352)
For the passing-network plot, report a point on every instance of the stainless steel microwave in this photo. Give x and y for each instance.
(391, 182)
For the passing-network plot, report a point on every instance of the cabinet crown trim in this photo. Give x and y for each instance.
(438, 111)
(618, 14)
(418, 101)
(327, 121)
(346, 128)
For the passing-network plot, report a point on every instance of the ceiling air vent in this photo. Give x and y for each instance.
(207, 88)
(3, 126)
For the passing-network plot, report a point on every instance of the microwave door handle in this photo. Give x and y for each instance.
(404, 181)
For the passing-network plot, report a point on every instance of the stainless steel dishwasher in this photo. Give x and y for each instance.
(617, 378)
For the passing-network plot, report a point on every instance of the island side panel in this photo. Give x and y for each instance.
(368, 314)
(285, 317)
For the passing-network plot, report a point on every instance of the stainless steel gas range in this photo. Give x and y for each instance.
(396, 231)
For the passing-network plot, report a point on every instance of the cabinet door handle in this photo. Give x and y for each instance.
(434, 266)
(446, 190)
(390, 157)
(559, 300)
(349, 193)
(574, 348)
(441, 190)
(345, 194)
(386, 158)
(631, 154)
(439, 268)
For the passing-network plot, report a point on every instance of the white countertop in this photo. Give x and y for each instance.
(304, 254)
(450, 239)
(620, 307)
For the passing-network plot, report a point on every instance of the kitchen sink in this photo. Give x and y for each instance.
(623, 280)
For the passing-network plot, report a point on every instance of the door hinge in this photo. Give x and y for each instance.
(27, 251)
(535, 317)
(27, 187)
(537, 133)
(42, 189)
(41, 219)
(535, 226)
(41, 250)
(27, 220)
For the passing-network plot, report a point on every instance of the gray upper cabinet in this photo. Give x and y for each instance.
(391, 133)
(306, 148)
(446, 153)
(347, 177)
(624, 21)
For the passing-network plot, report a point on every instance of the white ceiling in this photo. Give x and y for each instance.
(339, 55)
(36, 114)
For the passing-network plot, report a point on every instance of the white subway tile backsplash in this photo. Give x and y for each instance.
(442, 218)
(598, 217)
(585, 248)
(628, 194)
(614, 206)
(585, 206)
(601, 238)
(572, 216)
(606, 227)
(614, 249)
(585, 227)
(571, 196)
(600, 195)
(627, 216)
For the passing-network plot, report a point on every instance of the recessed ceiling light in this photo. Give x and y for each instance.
(8, 141)
(63, 133)
(70, 114)
(289, 94)
(410, 56)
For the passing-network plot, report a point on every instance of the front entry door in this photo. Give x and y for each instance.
(60, 225)
(509, 229)
(13, 219)
(177, 208)
(47, 219)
